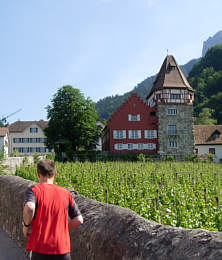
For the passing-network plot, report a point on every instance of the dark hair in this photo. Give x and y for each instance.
(46, 167)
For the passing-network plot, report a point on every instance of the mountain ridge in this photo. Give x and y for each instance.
(107, 106)
(212, 41)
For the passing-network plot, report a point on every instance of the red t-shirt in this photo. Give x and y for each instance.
(50, 233)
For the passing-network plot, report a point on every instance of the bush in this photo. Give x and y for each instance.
(50, 156)
(1, 155)
(36, 158)
(170, 158)
(25, 160)
(132, 157)
(15, 153)
(148, 159)
(2, 167)
(141, 157)
(193, 158)
(210, 157)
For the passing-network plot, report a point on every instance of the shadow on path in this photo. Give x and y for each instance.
(8, 248)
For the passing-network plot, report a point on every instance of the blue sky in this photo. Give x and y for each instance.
(102, 47)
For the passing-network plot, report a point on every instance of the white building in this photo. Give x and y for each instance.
(99, 143)
(27, 137)
(4, 140)
(208, 139)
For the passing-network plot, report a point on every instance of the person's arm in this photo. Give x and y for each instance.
(28, 214)
(75, 222)
(76, 218)
(29, 210)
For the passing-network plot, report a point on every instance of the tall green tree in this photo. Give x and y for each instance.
(205, 117)
(72, 121)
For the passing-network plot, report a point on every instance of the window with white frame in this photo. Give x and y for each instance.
(15, 140)
(118, 146)
(216, 135)
(175, 96)
(212, 150)
(172, 144)
(171, 111)
(140, 147)
(33, 130)
(21, 149)
(119, 134)
(134, 134)
(130, 146)
(134, 117)
(42, 149)
(172, 129)
(151, 146)
(150, 134)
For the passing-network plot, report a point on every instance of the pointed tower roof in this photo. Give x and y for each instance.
(170, 76)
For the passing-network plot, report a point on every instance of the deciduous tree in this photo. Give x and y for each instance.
(205, 117)
(72, 121)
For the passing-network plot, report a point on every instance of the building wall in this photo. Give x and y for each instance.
(1, 143)
(184, 137)
(120, 121)
(204, 149)
(4, 144)
(99, 142)
(106, 139)
(25, 135)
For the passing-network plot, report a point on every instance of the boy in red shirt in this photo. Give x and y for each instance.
(46, 209)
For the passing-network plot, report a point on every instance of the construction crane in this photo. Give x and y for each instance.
(3, 120)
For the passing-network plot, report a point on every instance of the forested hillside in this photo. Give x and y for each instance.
(108, 105)
(206, 79)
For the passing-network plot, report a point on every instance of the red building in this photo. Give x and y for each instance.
(163, 125)
(132, 128)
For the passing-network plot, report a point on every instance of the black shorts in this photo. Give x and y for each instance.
(38, 256)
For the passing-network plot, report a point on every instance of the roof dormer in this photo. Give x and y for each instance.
(216, 134)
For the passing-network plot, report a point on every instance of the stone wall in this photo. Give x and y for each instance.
(13, 162)
(184, 124)
(111, 232)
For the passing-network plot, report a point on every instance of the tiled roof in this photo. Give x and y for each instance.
(3, 131)
(208, 134)
(20, 126)
(170, 76)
